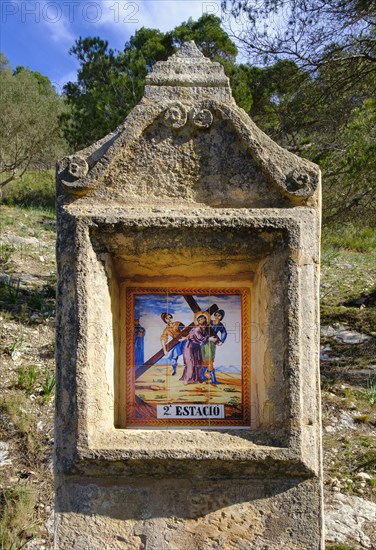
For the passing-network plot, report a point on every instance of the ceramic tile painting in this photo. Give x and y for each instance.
(187, 357)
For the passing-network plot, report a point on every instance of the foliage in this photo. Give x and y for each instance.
(326, 111)
(110, 84)
(48, 384)
(311, 32)
(317, 103)
(29, 126)
(371, 391)
(209, 37)
(16, 507)
(30, 305)
(36, 188)
(279, 102)
(15, 405)
(349, 168)
(347, 288)
(27, 378)
(107, 88)
(30, 378)
(349, 237)
(13, 289)
(241, 81)
(6, 251)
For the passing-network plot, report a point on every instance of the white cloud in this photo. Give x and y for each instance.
(58, 83)
(55, 19)
(125, 17)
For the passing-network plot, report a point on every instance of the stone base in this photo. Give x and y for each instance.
(187, 515)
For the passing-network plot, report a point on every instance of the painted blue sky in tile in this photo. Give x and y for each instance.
(149, 307)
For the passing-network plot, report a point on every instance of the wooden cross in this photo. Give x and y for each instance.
(157, 356)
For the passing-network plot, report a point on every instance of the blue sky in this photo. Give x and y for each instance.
(39, 33)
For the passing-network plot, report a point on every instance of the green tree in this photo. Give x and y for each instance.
(209, 36)
(29, 125)
(334, 44)
(109, 84)
(333, 41)
(279, 102)
(306, 103)
(350, 169)
(310, 32)
(326, 134)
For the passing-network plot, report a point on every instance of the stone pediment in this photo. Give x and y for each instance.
(187, 143)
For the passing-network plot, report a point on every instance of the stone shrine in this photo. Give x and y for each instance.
(188, 400)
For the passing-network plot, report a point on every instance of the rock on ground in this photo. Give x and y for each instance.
(351, 520)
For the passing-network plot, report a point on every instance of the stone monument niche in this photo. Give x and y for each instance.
(188, 405)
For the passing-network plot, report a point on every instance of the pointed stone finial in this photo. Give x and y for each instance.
(188, 73)
(189, 50)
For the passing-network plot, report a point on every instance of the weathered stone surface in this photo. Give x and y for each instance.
(226, 163)
(215, 155)
(4, 454)
(344, 335)
(351, 520)
(220, 514)
(188, 180)
(187, 72)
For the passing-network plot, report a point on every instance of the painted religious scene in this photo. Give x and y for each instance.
(188, 357)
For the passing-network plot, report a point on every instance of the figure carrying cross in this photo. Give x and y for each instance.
(180, 335)
(172, 330)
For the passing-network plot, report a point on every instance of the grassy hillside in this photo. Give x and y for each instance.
(27, 316)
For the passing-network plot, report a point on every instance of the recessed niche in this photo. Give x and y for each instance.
(247, 381)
